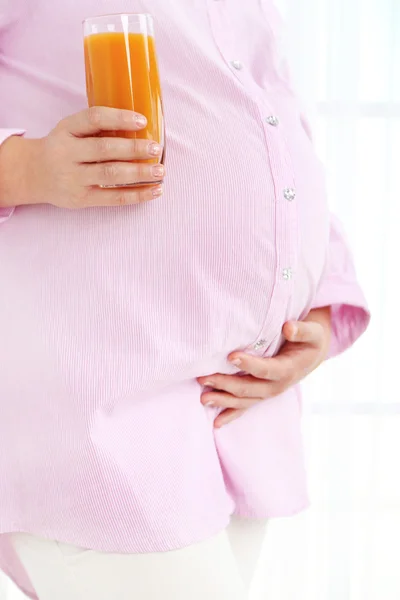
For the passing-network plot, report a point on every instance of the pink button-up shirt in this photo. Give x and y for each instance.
(108, 315)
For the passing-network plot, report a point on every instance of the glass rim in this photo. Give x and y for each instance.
(111, 15)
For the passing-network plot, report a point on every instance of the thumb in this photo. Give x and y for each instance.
(307, 332)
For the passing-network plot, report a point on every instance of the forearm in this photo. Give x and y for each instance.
(14, 158)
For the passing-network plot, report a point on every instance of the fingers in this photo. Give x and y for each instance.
(262, 368)
(241, 387)
(227, 416)
(100, 118)
(122, 197)
(109, 149)
(308, 332)
(122, 173)
(223, 400)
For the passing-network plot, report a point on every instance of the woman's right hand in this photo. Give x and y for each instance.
(68, 167)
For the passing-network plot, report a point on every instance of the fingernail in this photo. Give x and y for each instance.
(157, 191)
(208, 384)
(158, 171)
(236, 361)
(141, 121)
(295, 330)
(209, 403)
(155, 149)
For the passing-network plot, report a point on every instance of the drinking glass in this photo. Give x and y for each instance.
(122, 72)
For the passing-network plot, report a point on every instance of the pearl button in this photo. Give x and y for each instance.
(290, 194)
(260, 344)
(287, 274)
(272, 120)
(236, 64)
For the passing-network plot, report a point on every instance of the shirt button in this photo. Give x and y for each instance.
(260, 344)
(287, 274)
(290, 194)
(272, 120)
(236, 64)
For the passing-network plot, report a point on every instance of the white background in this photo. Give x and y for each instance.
(346, 63)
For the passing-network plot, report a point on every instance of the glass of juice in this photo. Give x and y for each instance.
(122, 72)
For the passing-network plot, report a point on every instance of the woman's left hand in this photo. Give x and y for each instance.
(306, 348)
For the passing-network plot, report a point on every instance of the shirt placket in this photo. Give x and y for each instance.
(280, 163)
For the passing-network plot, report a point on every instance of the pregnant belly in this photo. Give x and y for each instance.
(114, 302)
(118, 301)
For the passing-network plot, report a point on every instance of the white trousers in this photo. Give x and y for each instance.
(219, 568)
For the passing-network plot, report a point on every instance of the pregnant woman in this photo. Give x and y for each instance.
(151, 339)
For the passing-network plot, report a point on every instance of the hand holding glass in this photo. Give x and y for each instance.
(122, 72)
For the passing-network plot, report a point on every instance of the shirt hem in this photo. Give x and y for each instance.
(244, 512)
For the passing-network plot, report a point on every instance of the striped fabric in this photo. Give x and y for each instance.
(107, 316)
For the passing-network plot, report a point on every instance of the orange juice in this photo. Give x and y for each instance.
(122, 72)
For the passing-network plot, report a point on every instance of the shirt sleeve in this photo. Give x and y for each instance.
(9, 13)
(339, 287)
(340, 290)
(5, 213)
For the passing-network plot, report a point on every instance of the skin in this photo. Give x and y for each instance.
(306, 347)
(67, 167)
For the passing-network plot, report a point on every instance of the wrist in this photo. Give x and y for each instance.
(14, 166)
(323, 317)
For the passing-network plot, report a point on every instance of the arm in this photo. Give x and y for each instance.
(340, 290)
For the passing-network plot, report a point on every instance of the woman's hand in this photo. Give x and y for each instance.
(67, 167)
(305, 349)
